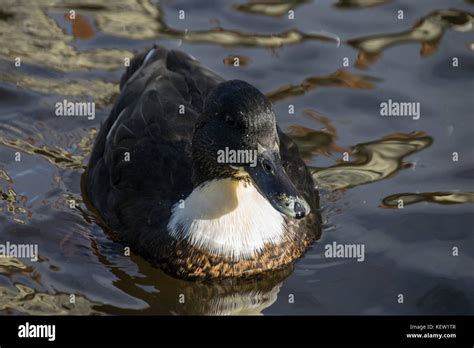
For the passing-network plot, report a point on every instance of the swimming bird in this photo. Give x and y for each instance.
(192, 172)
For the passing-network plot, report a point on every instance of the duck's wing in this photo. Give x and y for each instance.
(142, 153)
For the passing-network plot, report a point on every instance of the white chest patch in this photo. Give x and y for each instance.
(227, 218)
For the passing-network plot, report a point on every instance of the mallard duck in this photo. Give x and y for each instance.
(193, 173)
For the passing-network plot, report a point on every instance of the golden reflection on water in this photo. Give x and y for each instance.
(57, 156)
(273, 8)
(10, 265)
(142, 20)
(340, 78)
(231, 60)
(41, 41)
(37, 39)
(428, 31)
(4, 175)
(25, 300)
(102, 92)
(373, 161)
(360, 3)
(81, 28)
(393, 201)
(13, 204)
(278, 8)
(316, 142)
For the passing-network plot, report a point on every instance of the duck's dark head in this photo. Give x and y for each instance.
(236, 137)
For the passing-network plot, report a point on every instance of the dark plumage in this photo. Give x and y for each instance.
(242, 117)
(134, 198)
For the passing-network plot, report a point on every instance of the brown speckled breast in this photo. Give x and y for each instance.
(186, 261)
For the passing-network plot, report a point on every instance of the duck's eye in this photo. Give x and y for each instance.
(229, 120)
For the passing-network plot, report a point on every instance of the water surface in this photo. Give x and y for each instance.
(296, 62)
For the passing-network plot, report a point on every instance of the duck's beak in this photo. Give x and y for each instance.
(274, 184)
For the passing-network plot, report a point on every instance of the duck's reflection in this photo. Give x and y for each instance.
(168, 295)
(235, 297)
(250, 303)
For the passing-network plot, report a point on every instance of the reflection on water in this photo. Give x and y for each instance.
(142, 20)
(81, 28)
(360, 3)
(25, 300)
(274, 8)
(341, 78)
(5, 176)
(243, 303)
(393, 201)
(9, 265)
(313, 142)
(249, 298)
(13, 204)
(123, 18)
(83, 58)
(278, 8)
(176, 296)
(232, 59)
(102, 92)
(22, 299)
(57, 156)
(41, 41)
(373, 161)
(428, 31)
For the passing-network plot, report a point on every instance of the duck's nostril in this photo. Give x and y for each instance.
(300, 212)
(267, 166)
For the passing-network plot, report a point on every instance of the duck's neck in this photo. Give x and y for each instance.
(229, 218)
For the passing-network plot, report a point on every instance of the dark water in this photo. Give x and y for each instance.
(297, 62)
